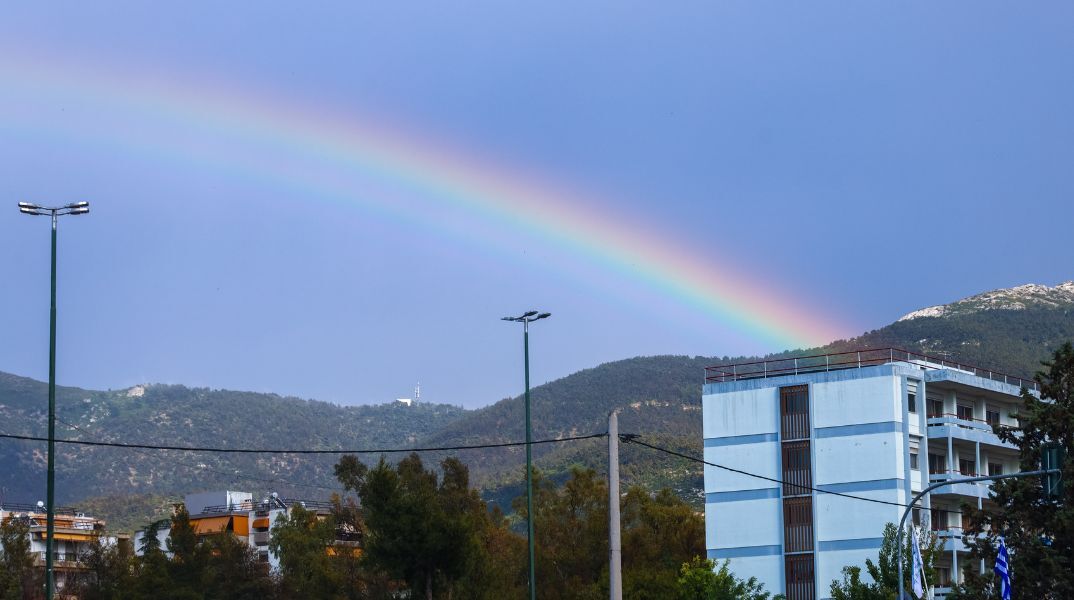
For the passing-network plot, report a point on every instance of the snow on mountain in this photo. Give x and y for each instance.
(1015, 298)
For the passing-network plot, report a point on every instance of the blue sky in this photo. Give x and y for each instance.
(867, 159)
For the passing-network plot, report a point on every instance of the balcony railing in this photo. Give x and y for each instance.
(854, 359)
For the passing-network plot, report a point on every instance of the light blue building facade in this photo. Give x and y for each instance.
(876, 424)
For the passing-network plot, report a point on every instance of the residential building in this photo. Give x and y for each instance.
(237, 514)
(878, 424)
(74, 533)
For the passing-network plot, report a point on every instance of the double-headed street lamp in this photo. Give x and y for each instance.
(526, 319)
(77, 208)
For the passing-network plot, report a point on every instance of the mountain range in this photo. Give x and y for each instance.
(659, 397)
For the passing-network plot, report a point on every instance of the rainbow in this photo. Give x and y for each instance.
(336, 148)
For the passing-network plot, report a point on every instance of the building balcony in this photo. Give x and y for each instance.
(971, 430)
(970, 490)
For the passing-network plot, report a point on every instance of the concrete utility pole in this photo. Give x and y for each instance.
(615, 545)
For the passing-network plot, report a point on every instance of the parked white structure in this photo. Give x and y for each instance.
(878, 424)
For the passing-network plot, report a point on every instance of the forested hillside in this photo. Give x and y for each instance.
(661, 395)
(181, 416)
(658, 396)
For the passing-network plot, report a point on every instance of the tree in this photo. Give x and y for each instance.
(418, 529)
(661, 532)
(1039, 530)
(233, 571)
(301, 541)
(699, 579)
(108, 574)
(18, 578)
(885, 571)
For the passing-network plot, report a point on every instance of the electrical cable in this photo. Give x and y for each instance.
(633, 438)
(31, 438)
(238, 476)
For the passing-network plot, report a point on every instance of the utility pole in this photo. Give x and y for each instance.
(615, 544)
(913, 503)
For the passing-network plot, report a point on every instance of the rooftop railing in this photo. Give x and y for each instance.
(854, 359)
(249, 505)
(33, 508)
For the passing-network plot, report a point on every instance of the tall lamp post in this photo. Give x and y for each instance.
(526, 319)
(77, 208)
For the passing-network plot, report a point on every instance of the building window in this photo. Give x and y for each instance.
(937, 463)
(800, 585)
(913, 461)
(938, 519)
(797, 477)
(915, 516)
(995, 468)
(967, 467)
(965, 412)
(798, 524)
(911, 402)
(935, 408)
(794, 410)
(943, 577)
(992, 416)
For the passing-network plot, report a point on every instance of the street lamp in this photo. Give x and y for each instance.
(527, 318)
(76, 208)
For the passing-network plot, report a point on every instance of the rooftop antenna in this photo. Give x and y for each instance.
(417, 393)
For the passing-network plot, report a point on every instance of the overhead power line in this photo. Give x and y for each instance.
(234, 475)
(629, 438)
(31, 438)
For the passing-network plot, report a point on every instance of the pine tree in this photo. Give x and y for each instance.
(1038, 529)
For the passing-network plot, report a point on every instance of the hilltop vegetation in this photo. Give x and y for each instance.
(658, 397)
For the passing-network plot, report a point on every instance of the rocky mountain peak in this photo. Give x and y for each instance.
(1030, 295)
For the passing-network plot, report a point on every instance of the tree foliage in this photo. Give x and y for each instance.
(884, 573)
(1038, 529)
(702, 579)
(18, 578)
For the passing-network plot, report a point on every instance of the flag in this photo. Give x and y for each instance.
(919, 565)
(1002, 569)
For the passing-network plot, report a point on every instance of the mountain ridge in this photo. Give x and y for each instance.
(657, 396)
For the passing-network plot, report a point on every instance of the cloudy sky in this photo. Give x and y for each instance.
(340, 201)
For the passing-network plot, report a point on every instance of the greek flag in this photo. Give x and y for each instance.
(919, 566)
(1002, 569)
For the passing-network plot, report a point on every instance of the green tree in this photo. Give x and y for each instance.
(1038, 529)
(19, 580)
(660, 532)
(301, 540)
(700, 579)
(571, 533)
(418, 529)
(885, 571)
(109, 572)
(233, 572)
(186, 569)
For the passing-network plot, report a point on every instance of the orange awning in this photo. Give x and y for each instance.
(210, 525)
(241, 525)
(71, 537)
(260, 523)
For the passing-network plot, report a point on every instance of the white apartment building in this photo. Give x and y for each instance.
(74, 533)
(879, 424)
(237, 514)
